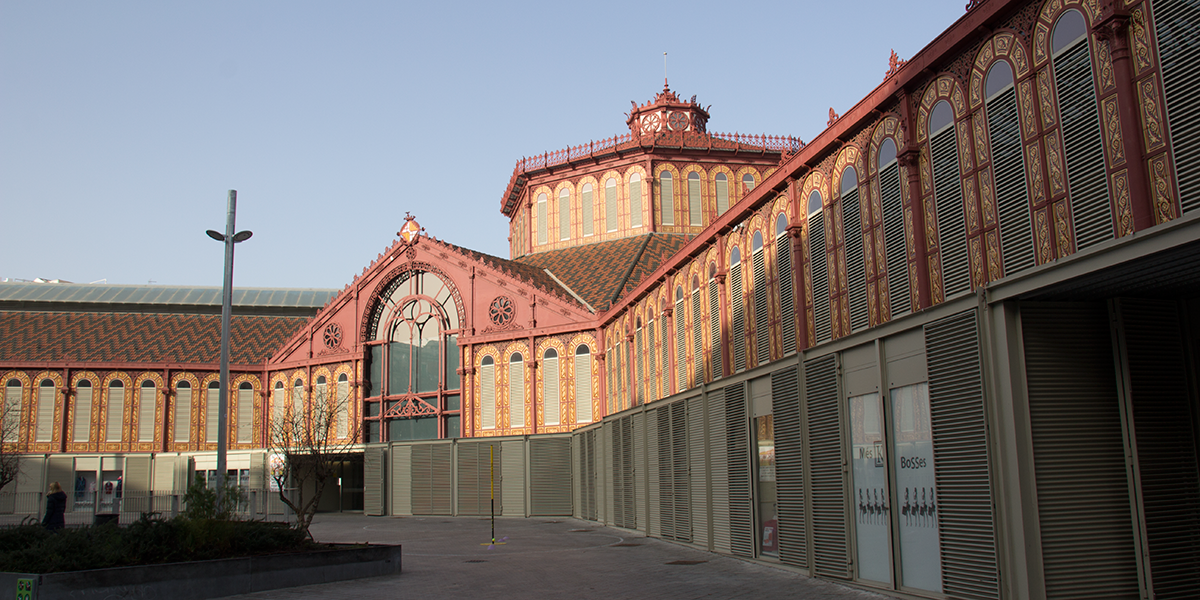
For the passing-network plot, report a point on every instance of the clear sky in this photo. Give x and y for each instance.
(124, 124)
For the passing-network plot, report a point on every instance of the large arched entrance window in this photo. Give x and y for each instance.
(414, 389)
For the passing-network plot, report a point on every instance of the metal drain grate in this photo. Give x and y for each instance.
(580, 530)
(475, 560)
(686, 562)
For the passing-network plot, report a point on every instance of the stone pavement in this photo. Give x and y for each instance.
(448, 557)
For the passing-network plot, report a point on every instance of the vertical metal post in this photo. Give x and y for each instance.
(226, 312)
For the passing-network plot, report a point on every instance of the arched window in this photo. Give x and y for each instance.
(1008, 169)
(787, 288)
(947, 200)
(1176, 23)
(697, 335)
(680, 341)
(297, 396)
(747, 183)
(44, 431)
(487, 393)
(278, 406)
(589, 217)
(635, 200)
(83, 411)
(1087, 187)
(856, 268)
(516, 390)
(722, 184)
(666, 197)
(245, 413)
(737, 311)
(551, 387)
(343, 400)
(762, 333)
(714, 323)
(183, 410)
(115, 417)
(12, 410)
(542, 228)
(564, 214)
(695, 200)
(583, 384)
(212, 398)
(665, 335)
(896, 257)
(639, 358)
(146, 398)
(652, 375)
(818, 269)
(610, 204)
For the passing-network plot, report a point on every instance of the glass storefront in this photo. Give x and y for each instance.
(764, 428)
(872, 510)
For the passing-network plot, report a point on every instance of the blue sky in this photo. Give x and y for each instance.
(124, 124)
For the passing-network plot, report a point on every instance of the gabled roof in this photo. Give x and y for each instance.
(138, 337)
(79, 297)
(519, 270)
(603, 272)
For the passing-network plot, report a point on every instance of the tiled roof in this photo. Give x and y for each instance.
(529, 273)
(602, 272)
(139, 337)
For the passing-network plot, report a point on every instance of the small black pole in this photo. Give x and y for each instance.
(492, 474)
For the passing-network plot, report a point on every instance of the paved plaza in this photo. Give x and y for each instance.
(449, 557)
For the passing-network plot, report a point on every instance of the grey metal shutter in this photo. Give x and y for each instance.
(826, 468)
(135, 489)
(635, 203)
(951, 220)
(1084, 148)
(1176, 23)
(431, 479)
(714, 329)
(652, 377)
(577, 474)
(681, 346)
(1079, 459)
(1008, 168)
(762, 328)
(681, 489)
(640, 367)
(666, 473)
(401, 471)
(375, 475)
(587, 475)
(893, 240)
(666, 197)
(510, 470)
(653, 476)
(697, 453)
(694, 201)
(789, 468)
(787, 292)
(550, 476)
(961, 462)
(665, 380)
(147, 396)
(474, 489)
(697, 341)
(1163, 414)
(639, 458)
(621, 447)
(719, 472)
(737, 304)
(819, 269)
(856, 268)
(737, 449)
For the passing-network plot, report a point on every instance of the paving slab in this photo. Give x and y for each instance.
(452, 557)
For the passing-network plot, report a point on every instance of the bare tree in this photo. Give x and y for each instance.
(10, 423)
(308, 442)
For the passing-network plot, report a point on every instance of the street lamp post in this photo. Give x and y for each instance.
(229, 238)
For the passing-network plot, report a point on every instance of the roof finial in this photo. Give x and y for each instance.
(666, 88)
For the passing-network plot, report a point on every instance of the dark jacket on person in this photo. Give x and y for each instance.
(56, 506)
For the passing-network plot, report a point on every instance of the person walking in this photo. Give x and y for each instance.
(56, 507)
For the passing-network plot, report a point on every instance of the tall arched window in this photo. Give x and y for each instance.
(1176, 23)
(487, 393)
(680, 340)
(787, 288)
(83, 410)
(714, 323)
(652, 374)
(516, 390)
(183, 410)
(412, 355)
(564, 214)
(722, 185)
(212, 399)
(1008, 169)
(343, 400)
(856, 268)
(747, 183)
(635, 200)
(115, 417)
(666, 197)
(245, 413)
(1087, 187)
(586, 204)
(610, 204)
(278, 406)
(583, 384)
(45, 412)
(146, 397)
(551, 387)
(297, 403)
(695, 200)
(762, 333)
(697, 335)
(542, 227)
(896, 257)
(639, 359)
(819, 269)
(737, 311)
(665, 335)
(12, 410)
(947, 196)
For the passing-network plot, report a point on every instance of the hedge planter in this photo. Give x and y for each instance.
(209, 578)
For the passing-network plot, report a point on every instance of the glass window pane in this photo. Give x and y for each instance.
(453, 426)
(452, 402)
(916, 490)
(374, 370)
(870, 496)
(398, 368)
(452, 379)
(428, 363)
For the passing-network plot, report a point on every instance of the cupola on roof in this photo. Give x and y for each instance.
(667, 113)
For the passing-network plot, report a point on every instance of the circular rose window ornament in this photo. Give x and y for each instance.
(502, 310)
(333, 335)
